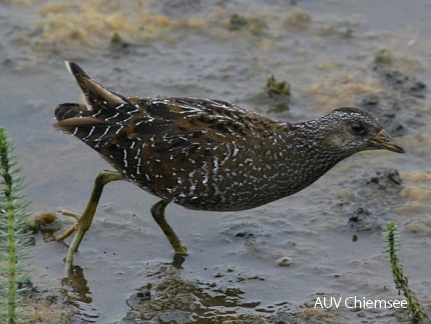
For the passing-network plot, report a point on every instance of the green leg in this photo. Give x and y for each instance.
(84, 222)
(158, 212)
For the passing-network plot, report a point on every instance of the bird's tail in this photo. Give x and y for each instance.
(103, 107)
(94, 93)
(104, 111)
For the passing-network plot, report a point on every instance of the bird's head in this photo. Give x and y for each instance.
(353, 130)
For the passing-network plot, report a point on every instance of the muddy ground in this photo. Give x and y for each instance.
(266, 265)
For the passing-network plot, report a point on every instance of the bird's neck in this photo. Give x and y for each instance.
(307, 157)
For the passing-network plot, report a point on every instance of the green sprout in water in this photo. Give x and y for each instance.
(417, 312)
(277, 88)
(15, 239)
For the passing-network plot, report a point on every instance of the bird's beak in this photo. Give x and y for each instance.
(382, 140)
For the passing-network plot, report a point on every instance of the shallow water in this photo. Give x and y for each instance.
(233, 271)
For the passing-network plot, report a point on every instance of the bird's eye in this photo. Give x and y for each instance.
(357, 129)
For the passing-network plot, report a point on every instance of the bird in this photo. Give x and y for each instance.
(207, 154)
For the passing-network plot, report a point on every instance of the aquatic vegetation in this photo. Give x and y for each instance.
(384, 56)
(15, 239)
(237, 22)
(274, 87)
(118, 23)
(343, 29)
(169, 295)
(298, 18)
(255, 26)
(417, 312)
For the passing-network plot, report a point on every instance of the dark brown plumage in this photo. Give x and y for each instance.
(210, 154)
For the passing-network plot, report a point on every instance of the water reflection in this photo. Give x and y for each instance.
(78, 284)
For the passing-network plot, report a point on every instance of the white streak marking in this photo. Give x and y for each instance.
(119, 129)
(126, 164)
(112, 117)
(89, 134)
(104, 133)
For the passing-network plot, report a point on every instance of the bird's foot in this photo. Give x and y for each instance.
(72, 228)
(180, 248)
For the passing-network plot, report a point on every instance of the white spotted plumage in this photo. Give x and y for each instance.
(210, 154)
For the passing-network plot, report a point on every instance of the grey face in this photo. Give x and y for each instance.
(353, 130)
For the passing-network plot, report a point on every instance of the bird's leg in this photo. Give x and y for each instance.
(84, 222)
(158, 212)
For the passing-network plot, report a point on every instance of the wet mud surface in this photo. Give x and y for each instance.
(266, 265)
